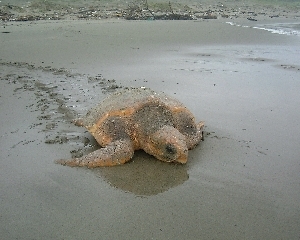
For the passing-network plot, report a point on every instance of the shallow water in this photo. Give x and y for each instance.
(283, 28)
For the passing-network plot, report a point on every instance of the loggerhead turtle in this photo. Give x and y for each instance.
(138, 118)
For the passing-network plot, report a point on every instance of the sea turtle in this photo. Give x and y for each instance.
(139, 118)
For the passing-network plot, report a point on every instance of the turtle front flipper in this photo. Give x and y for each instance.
(116, 153)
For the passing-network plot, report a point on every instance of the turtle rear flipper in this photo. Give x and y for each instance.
(116, 153)
(78, 122)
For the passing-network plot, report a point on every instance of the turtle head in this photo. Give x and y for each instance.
(168, 145)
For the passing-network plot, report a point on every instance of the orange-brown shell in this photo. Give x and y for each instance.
(125, 103)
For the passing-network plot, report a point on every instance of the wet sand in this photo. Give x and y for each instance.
(242, 182)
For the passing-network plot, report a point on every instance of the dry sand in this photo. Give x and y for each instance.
(242, 182)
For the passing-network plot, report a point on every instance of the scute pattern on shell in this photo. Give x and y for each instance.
(126, 102)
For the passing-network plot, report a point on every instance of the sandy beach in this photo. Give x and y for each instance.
(241, 78)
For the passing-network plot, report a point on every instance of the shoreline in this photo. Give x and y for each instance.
(142, 38)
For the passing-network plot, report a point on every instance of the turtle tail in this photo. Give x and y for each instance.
(116, 153)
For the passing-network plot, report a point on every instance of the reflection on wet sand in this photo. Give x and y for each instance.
(144, 175)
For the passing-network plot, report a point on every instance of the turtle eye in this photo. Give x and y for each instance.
(170, 149)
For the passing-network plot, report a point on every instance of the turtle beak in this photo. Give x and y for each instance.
(183, 157)
(176, 151)
(179, 151)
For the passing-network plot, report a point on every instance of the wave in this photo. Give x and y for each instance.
(277, 28)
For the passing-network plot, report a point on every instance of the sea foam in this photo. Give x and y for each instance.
(277, 28)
